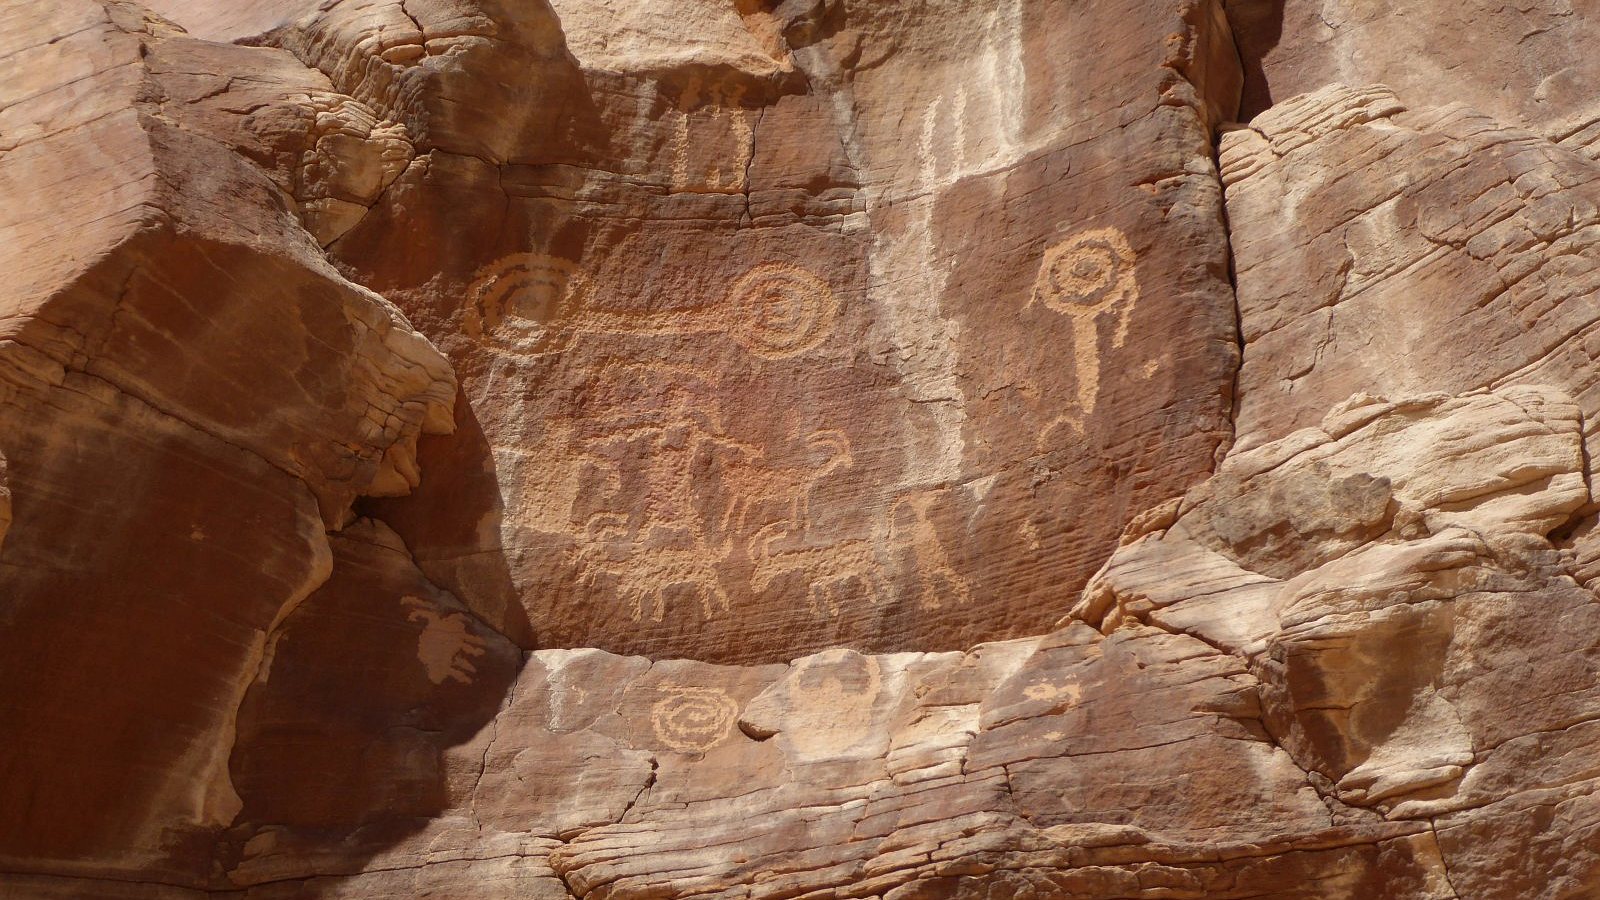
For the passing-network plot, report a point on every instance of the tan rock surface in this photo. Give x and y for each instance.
(890, 451)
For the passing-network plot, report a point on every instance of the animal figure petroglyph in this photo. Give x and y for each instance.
(649, 571)
(752, 484)
(827, 569)
(936, 577)
(446, 646)
(1089, 277)
(668, 464)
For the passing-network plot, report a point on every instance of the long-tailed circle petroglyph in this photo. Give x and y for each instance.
(530, 303)
(1089, 278)
(1089, 273)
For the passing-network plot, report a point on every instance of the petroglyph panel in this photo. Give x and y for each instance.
(530, 304)
(833, 574)
(645, 574)
(692, 719)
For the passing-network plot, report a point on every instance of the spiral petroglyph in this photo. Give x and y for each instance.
(692, 719)
(512, 302)
(781, 310)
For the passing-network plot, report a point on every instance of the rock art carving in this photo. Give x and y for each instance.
(446, 646)
(647, 572)
(693, 719)
(1088, 278)
(513, 301)
(837, 687)
(913, 532)
(752, 483)
(828, 569)
(528, 304)
(696, 123)
(782, 310)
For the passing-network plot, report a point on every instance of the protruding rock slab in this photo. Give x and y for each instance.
(189, 396)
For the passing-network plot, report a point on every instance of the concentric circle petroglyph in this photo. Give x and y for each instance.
(781, 310)
(693, 719)
(512, 302)
(1088, 273)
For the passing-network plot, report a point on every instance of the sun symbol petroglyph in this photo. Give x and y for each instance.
(692, 719)
(513, 302)
(1089, 277)
(781, 310)
(446, 646)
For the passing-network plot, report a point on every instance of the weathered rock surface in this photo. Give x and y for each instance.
(874, 450)
(190, 395)
(832, 409)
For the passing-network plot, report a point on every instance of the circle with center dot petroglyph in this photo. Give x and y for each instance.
(512, 301)
(693, 719)
(781, 310)
(1087, 273)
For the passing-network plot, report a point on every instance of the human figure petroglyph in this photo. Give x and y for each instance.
(648, 571)
(446, 646)
(750, 484)
(696, 124)
(693, 719)
(1090, 278)
(827, 569)
(912, 529)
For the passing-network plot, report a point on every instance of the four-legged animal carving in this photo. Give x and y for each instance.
(827, 569)
(648, 572)
(751, 484)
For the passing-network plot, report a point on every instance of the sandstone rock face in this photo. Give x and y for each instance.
(774, 449)
(910, 347)
(190, 395)
(1525, 63)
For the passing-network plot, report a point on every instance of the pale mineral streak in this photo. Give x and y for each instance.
(770, 449)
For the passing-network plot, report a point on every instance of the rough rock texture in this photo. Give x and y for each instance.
(896, 451)
(190, 394)
(832, 408)
(1526, 63)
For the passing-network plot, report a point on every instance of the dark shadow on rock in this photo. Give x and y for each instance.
(340, 750)
(452, 525)
(1257, 28)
